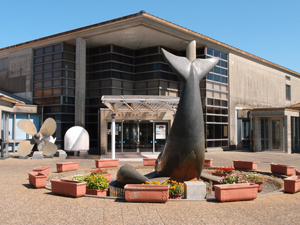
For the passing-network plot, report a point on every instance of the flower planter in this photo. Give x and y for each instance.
(282, 169)
(42, 169)
(235, 192)
(107, 176)
(146, 193)
(247, 165)
(219, 174)
(66, 166)
(176, 196)
(149, 162)
(208, 162)
(260, 186)
(292, 184)
(70, 188)
(297, 172)
(96, 192)
(39, 180)
(107, 163)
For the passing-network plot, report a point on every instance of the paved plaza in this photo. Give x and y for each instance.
(23, 204)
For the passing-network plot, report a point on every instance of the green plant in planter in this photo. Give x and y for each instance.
(175, 187)
(78, 178)
(233, 179)
(98, 172)
(256, 178)
(96, 182)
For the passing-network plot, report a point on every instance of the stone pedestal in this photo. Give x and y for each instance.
(38, 155)
(83, 153)
(62, 154)
(194, 190)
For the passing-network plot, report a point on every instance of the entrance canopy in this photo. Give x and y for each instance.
(140, 103)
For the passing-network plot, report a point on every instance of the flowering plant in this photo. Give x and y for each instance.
(79, 178)
(175, 187)
(226, 170)
(98, 172)
(96, 182)
(152, 183)
(233, 179)
(256, 178)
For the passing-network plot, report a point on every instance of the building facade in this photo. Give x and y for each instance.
(67, 74)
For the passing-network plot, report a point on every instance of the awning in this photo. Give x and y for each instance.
(140, 103)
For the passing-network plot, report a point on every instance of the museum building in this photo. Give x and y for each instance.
(115, 70)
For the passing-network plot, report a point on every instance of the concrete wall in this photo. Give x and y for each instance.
(253, 84)
(17, 79)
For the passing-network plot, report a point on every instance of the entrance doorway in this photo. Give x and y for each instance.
(138, 136)
(276, 143)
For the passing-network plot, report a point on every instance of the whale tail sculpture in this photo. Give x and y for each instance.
(183, 156)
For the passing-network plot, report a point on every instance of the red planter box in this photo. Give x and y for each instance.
(66, 166)
(219, 174)
(297, 172)
(292, 184)
(39, 180)
(247, 165)
(208, 162)
(146, 193)
(42, 169)
(96, 192)
(70, 188)
(235, 192)
(107, 163)
(282, 169)
(149, 162)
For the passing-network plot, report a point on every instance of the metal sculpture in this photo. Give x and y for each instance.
(127, 174)
(183, 156)
(40, 139)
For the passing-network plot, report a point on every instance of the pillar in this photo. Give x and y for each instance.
(257, 134)
(191, 50)
(113, 135)
(80, 82)
(287, 133)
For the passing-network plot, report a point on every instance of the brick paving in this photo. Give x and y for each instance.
(23, 204)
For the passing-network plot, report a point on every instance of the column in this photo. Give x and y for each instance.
(191, 50)
(80, 82)
(257, 134)
(287, 133)
(113, 135)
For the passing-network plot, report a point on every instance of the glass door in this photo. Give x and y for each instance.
(145, 136)
(160, 136)
(130, 136)
(276, 134)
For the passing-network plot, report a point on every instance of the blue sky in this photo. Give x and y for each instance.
(266, 28)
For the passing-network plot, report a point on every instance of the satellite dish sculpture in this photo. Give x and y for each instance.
(183, 156)
(39, 138)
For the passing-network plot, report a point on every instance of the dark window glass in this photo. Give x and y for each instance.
(47, 58)
(127, 76)
(57, 48)
(210, 51)
(216, 69)
(47, 66)
(210, 76)
(47, 49)
(118, 49)
(210, 101)
(217, 78)
(224, 103)
(210, 131)
(152, 50)
(116, 74)
(141, 52)
(38, 60)
(288, 92)
(223, 55)
(223, 64)
(47, 84)
(69, 48)
(38, 76)
(216, 53)
(200, 51)
(38, 68)
(105, 49)
(57, 73)
(38, 52)
(223, 71)
(224, 80)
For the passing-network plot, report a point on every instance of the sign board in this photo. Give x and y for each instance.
(160, 132)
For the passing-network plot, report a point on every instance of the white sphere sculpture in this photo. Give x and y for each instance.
(77, 139)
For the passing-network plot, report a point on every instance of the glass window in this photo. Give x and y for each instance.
(38, 51)
(223, 64)
(216, 53)
(210, 76)
(209, 51)
(223, 71)
(223, 55)
(288, 92)
(57, 48)
(47, 49)
(47, 66)
(20, 135)
(287, 78)
(38, 60)
(224, 79)
(216, 69)
(217, 78)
